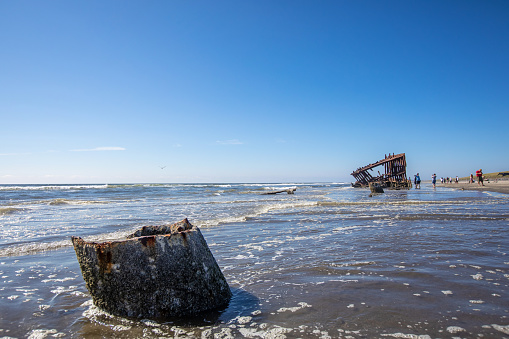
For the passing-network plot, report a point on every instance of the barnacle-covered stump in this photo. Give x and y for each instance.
(157, 272)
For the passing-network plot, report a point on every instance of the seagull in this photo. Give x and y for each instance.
(162, 167)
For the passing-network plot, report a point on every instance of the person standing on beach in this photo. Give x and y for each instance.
(471, 178)
(417, 181)
(478, 174)
(434, 180)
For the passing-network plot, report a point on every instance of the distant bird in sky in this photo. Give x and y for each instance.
(162, 167)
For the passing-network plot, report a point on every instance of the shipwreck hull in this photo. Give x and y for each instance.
(394, 176)
(157, 272)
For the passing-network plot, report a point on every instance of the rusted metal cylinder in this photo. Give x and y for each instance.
(156, 272)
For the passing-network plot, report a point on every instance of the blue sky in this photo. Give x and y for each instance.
(250, 91)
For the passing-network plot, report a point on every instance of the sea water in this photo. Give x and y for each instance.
(326, 262)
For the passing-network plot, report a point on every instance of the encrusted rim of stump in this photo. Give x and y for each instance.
(156, 272)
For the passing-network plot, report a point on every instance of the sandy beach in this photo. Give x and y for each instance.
(501, 186)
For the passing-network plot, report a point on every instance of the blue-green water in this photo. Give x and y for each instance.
(328, 261)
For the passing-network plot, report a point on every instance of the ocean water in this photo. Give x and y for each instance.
(326, 262)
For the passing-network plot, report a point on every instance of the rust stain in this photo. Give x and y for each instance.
(148, 241)
(105, 258)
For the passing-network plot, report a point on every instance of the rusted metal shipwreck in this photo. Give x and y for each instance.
(156, 272)
(394, 176)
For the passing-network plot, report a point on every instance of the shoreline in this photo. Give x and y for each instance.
(501, 186)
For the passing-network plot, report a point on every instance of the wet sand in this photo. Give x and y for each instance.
(501, 186)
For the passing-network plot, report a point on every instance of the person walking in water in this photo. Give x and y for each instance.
(434, 180)
(417, 181)
(478, 174)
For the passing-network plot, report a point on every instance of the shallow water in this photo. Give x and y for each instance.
(329, 261)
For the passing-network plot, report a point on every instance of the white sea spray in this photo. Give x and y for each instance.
(301, 305)
(478, 276)
(406, 336)
(455, 329)
(501, 328)
(476, 301)
(41, 333)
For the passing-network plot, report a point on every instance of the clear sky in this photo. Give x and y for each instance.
(250, 91)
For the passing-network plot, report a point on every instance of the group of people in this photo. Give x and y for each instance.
(448, 180)
(479, 175)
(417, 180)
